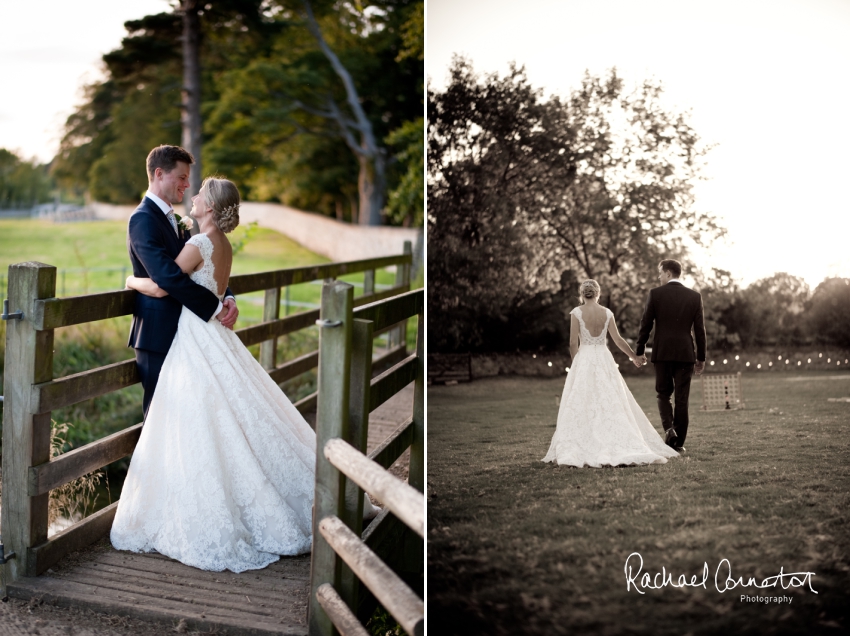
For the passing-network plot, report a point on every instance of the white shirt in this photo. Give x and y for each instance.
(162, 205)
(166, 208)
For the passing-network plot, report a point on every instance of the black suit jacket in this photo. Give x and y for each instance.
(674, 310)
(153, 246)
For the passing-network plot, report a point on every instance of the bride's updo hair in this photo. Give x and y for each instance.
(223, 197)
(589, 289)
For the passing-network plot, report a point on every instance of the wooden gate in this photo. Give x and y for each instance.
(344, 555)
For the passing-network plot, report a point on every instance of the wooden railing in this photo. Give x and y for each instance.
(31, 391)
(345, 558)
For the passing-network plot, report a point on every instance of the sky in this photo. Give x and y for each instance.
(766, 81)
(49, 49)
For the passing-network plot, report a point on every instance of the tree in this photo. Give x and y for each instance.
(23, 183)
(191, 94)
(828, 312)
(773, 310)
(258, 62)
(598, 185)
(341, 81)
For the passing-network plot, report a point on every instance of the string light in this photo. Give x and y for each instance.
(550, 364)
(748, 364)
(828, 360)
(737, 357)
(787, 361)
(712, 363)
(758, 366)
(779, 358)
(799, 362)
(820, 355)
(809, 361)
(534, 355)
(770, 364)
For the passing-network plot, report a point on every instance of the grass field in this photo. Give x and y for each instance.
(516, 546)
(100, 248)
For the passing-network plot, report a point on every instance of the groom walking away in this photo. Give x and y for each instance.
(154, 240)
(675, 310)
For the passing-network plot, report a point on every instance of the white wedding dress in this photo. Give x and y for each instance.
(223, 474)
(599, 422)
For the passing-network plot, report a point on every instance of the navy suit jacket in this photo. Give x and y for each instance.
(153, 246)
(674, 309)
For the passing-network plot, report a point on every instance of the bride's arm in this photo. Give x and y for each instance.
(574, 339)
(618, 339)
(145, 286)
(187, 260)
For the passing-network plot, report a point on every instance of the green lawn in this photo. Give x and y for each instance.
(100, 248)
(516, 546)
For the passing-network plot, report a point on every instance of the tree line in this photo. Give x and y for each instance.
(313, 104)
(23, 183)
(528, 196)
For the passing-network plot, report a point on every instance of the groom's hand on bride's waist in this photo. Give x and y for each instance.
(229, 313)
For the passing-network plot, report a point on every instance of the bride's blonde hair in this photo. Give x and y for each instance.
(223, 197)
(589, 289)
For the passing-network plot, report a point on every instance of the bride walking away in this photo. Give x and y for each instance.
(599, 421)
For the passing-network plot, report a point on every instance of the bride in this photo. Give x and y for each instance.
(599, 422)
(223, 474)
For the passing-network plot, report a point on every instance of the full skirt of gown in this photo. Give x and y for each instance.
(599, 421)
(223, 474)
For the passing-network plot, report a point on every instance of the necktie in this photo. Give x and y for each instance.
(170, 215)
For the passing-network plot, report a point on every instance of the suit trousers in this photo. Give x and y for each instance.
(149, 364)
(674, 379)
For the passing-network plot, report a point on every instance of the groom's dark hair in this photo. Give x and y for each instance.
(669, 265)
(166, 157)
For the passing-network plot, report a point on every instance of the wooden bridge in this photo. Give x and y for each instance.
(350, 569)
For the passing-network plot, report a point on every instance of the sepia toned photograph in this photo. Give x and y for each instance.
(212, 345)
(638, 288)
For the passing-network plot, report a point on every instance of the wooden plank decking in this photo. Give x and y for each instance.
(155, 588)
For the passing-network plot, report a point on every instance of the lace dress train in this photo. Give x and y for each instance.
(599, 421)
(223, 474)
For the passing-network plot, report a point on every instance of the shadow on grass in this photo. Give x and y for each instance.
(516, 546)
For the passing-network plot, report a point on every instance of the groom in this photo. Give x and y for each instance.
(154, 240)
(675, 310)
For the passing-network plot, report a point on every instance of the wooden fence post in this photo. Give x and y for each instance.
(358, 431)
(402, 277)
(414, 547)
(331, 422)
(26, 437)
(271, 311)
(416, 474)
(369, 282)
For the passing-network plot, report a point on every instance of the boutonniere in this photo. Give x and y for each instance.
(184, 225)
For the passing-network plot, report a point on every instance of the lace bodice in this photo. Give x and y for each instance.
(586, 338)
(206, 275)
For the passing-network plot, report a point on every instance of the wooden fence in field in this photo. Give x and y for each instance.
(345, 559)
(32, 393)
